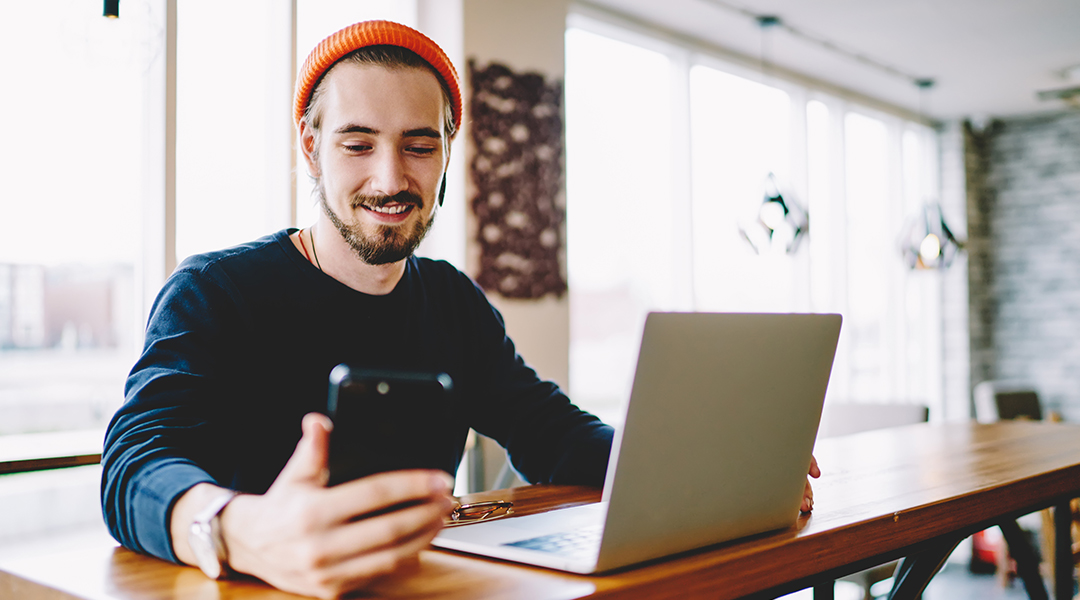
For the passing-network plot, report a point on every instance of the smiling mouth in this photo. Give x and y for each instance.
(393, 209)
(388, 209)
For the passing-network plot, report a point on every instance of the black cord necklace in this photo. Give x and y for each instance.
(311, 237)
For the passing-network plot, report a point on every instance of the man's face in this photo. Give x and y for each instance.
(380, 157)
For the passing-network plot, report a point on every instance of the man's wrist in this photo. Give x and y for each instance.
(229, 522)
(183, 513)
(205, 537)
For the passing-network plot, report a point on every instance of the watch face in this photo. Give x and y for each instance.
(202, 545)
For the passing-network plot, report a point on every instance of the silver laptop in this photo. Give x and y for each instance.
(716, 445)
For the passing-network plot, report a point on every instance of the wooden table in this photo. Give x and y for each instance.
(911, 492)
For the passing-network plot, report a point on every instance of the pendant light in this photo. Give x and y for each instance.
(780, 223)
(926, 241)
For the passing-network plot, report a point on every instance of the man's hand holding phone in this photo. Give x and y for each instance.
(304, 537)
(360, 494)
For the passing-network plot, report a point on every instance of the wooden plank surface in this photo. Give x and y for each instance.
(115, 573)
(882, 494)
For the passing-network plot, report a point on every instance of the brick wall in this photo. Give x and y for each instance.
(980, 259)
(1023, 201)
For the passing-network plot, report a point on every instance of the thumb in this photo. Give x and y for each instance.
(308, 463)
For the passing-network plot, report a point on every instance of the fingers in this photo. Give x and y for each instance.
(808, 499)
(384, 491)
(304, 537)
(808, 491)
(339, 557)
(389, 558)
(393, 531)
(308, 464)
(322, 509)
(357, 571)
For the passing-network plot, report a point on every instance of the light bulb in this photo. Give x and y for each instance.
(772, 215)
(930, 248)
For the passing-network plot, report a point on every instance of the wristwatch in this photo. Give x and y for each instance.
(206, 540)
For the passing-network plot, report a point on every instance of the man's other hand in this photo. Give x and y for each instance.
(808, 493)
(303, 537)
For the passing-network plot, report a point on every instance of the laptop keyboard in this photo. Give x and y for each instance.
(567, 543)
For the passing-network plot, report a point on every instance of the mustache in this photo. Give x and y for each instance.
(403, 197)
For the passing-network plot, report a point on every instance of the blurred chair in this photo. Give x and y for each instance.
(846, 418)
(998, 400)
(487, 466)
(1004, 400)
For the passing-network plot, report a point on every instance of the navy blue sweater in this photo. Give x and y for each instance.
(239, 347)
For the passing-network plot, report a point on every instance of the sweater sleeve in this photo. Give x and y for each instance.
(548, 438)
(161, 442)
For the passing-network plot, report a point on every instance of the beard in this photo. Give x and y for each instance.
(384, 244)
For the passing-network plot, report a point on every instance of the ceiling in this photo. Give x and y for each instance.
(988, 58)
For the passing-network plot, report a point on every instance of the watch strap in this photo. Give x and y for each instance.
(207, 525)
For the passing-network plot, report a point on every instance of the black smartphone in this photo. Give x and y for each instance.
(389, 420)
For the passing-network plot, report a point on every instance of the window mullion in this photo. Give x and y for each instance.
(159, 140)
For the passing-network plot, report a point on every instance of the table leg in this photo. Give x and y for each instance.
(915, 571)
(1027, 563)
(1063, 560)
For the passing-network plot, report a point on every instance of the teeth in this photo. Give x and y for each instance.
(390, 210)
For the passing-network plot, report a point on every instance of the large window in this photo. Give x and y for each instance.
(73, 178)
(739, 134)
(870, 290)
(620, 238)
(83, 198)
(682, 123)
(233, 182)
(71, 181)
(71, 190)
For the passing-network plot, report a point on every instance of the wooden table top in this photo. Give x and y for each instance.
(883, 493)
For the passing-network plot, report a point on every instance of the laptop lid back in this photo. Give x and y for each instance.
(719, 431)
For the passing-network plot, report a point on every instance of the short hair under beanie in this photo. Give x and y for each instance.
(373, 33)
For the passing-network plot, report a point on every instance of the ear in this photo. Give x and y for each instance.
(307, 146)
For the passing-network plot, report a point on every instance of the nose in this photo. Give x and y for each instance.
(389, 173)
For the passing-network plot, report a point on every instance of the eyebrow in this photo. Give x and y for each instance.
(426, 132)
(423, 132)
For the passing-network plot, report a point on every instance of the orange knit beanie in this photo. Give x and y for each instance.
(373, 33)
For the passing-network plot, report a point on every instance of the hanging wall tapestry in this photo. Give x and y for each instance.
(517, 129)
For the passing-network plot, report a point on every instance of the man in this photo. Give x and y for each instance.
(219, 455)
(228, 393)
